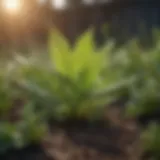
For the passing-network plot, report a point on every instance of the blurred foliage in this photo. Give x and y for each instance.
(145, 93)
(28, 130)
(20, 125)
(144, 99)
(74, 82)
(151, 140)
(77, 82)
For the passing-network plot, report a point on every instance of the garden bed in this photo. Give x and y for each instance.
(70, 105)
(117, 140)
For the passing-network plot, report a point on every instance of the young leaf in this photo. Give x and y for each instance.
(59, 50)
(83, 50)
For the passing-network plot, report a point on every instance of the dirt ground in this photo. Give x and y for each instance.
(117, 140)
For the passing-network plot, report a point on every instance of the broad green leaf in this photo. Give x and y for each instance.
(59, 50)
(85, 43)
(83, 50)
(95, 66)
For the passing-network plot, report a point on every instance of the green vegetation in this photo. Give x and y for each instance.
(76, 83)
(19, 124)
(151, 140)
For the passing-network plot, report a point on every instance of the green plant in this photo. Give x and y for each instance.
(31, 128)
(75, 82)
(20, 124)
(145, 92)
(151, 140)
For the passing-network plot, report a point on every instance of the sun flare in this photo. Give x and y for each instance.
(12, 6)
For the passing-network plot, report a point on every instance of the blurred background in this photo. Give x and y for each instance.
(25, 23)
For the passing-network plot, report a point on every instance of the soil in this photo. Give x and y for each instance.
(118, 139)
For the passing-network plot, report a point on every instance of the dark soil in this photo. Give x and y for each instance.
(116, 140)
(29, 153)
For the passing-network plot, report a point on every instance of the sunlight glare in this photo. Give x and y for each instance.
(59, 4)
(12, 5)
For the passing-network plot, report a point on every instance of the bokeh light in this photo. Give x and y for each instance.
(12, 6)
